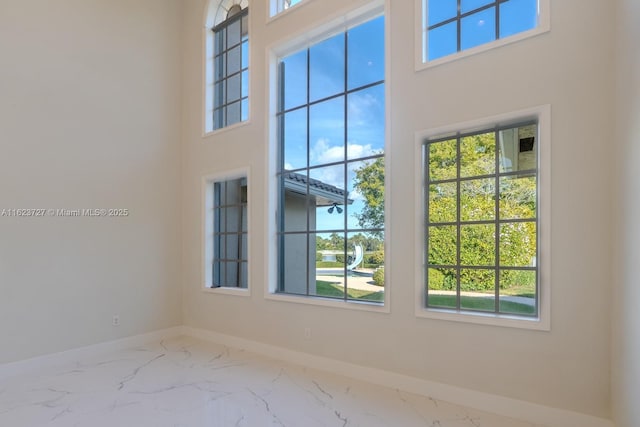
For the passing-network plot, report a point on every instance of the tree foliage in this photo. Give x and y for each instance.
(369, 181)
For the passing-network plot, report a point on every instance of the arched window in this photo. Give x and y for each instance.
(227, 64)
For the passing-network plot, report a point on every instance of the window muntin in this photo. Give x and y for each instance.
(231, 69)
(230, 237)
(331, 127)
(452, 26)
(481, 195)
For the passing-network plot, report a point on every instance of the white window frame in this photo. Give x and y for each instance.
(207, 197)
(215, 13)
(542, 114)
(421, 36)
(303, 39)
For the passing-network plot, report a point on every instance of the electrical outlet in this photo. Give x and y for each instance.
(307, 334)
(116, 320)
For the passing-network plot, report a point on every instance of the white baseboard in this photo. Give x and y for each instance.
(39, 363)
(512, 408)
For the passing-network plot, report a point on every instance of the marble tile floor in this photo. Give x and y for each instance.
(184, 382)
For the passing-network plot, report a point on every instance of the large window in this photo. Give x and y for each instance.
(226, 243)
(482, 221)
(231, 68)
(452, 26)
(330, 173)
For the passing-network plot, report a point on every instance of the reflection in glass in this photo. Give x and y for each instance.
(326, 68)
(518, 149)
(477, 155)
(366, 54)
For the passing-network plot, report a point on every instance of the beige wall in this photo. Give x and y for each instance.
(89, 118)
(569, 68)
(626, 333)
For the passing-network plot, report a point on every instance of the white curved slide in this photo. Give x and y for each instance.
(357, 258)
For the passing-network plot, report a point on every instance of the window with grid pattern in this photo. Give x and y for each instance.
(481, 195)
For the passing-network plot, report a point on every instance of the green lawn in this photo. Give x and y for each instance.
(480, 304)
(329, 289)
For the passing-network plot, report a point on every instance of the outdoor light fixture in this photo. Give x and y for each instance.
(336, 207)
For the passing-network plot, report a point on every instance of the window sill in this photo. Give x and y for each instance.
(329, 302)
(484, 319)
(210, 133)
(240, 292)
(422, 64)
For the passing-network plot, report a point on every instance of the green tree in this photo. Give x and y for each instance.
(369, 181)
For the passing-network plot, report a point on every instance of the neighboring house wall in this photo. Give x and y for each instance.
(626, 320)
(296, 273)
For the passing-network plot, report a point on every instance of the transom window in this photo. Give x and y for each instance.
(452, 26)
(330, 173)
(278, 6)
(481, 195)
(231, 68)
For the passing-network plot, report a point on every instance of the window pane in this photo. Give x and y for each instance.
(219, 67)
(477, 245)
(295, 257)
(517, 16)
(295, 139)
(327, 194)
(327, 68)
(477, 290)
(293, 200)
(366, 194)
(233, 33)
(477, 200)
(234, 58)
(441, 10)
(220, 41)
(245, 55)
(234, 87)
(219, 118)
(442, 160)
(366, 53)
(518, 197)
(366, 122)
(244, 275)
(245, 109)
(233, 113)
(245, 84)
(477, 29)
(363, 284)
(443, 41)
(326, 131)
(477, 155)
(518, 244)
(294, 68)
(469, 5)
(442, 245)
(329, 265)
(442, 287)
(518, 292)
(443, 202)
